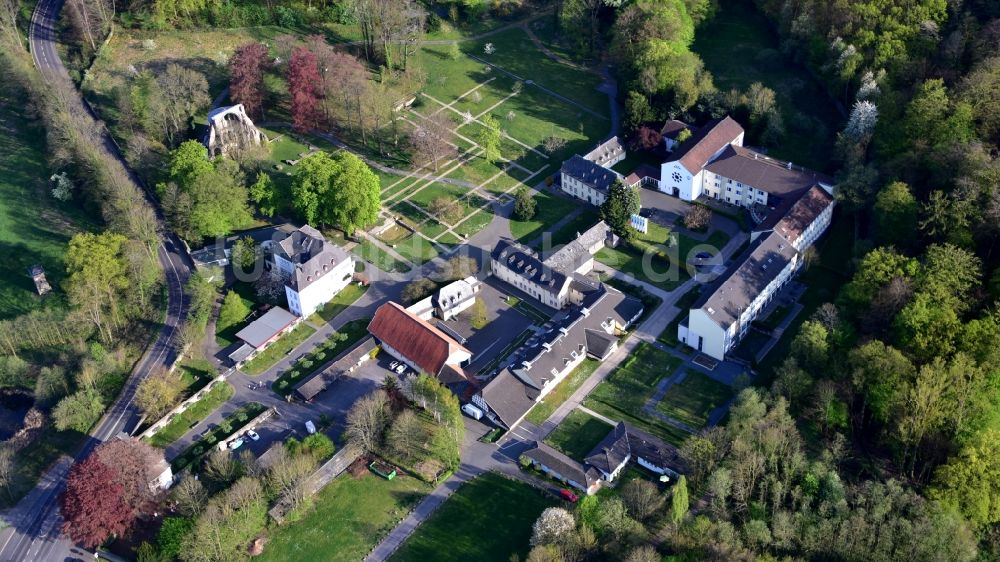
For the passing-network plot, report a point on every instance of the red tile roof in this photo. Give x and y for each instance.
(418, 341)
(694, 153)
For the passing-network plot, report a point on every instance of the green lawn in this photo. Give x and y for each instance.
(550, 208)
(587, 218)
(578, 434)
(622, 395)
(195, 373)
(375, 255)
(487, 520)
(198, 411)
(339, 303)
(278, 349)
(225, 429)
(691, 400)
(34, 226)
(477, 221)
(320, 356)
(541, 411)
(227, 336)
(349, 517)
(739, 47)
(416, 249)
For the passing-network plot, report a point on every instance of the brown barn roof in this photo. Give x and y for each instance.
(695, 152)
(424, 345)
(795, 215)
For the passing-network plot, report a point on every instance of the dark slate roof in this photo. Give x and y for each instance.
(655, 450)
(589, 173)
(559, 462)
(766, 174)
(312, 255)
(746, 278)
(611, 452)
(795, 214)
(521, 260)
(578, 251)
(508, 397)
(599, 343)
(695, 152)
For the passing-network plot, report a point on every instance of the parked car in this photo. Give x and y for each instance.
(235, 444)
(310, 427)
(568, 495)
(401, 368)
(253, 435)
(472, 411)
(393, 365)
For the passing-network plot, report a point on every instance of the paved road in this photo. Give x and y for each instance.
(34, 532)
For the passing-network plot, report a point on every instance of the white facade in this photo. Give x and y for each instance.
(576, 188)
(556, 298)
(307, 301)
(677, 180)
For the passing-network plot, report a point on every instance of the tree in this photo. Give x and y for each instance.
(489, 138)
(246, 76)
(232, 312)
(896, 214)
(8, 468)
(524, 204)
(405, 434)
(457, 267)
(970, 481)
(190, 496)
(641, 498)
(287, 475)
(181, 94)
(244, 254)
(479, 318)
(303, 78)
(679, 501)
(317, 445)
(96, 272)
(93, 505)
(698, 217)
(418, 289)
(78, 411)
(262, 193)
(205, 197)
(221, 467)
(553, 526)
(644, 553)
(366, 421)
(811, 345)
(134, 462)
(52, 384)
(981, 90)
(614, 519)
(340, 190)
(434, 140)
(227, 525)
(618, 208)
(171, 536)
(158, 393)
(882, 374)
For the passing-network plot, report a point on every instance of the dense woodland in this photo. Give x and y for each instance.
(875, 439)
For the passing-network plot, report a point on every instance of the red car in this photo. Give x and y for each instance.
(568, 496)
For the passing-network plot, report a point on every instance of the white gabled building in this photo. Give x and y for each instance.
(314, 269)
(590, 177)
(722, 315)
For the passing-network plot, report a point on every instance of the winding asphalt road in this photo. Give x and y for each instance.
(35, 524)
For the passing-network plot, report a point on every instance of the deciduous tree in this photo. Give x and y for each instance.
(433, 140)
(366, 421)
(246, 76)
(158, 393)
(93, 504)
(340, 190)
(303, 81)
(489, 137)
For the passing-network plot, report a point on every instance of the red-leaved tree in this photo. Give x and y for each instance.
(647, 138)
(246, 76)
(93, 504)
(303, 81)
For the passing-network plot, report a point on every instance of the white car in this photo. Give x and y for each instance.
(310, 427)
(253, 435)
(393, 365)
(235, 444)
(401, 368)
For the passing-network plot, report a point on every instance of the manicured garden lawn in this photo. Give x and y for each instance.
(226, 428)
(739, 47)
(320, 356)
(198, 411)
(339, 303)
(578, 434)
(626, 390)
(278, 349)
(416, 249)
(34, 226)
(349, 517)
(691, 400)
(567, 232)
(476, 222)
(550, 208)
(541, 411)
(627, 259)
(487, 520)
(375, 255)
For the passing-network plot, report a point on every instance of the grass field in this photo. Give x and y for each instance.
(34, 226)
(739, 47)
(345, 298)
(379, 258)
(184, 421)
(349, 517)
(622, 395)
(278, 349)
(227, 336)
(487, 520)
(578, 434)
(541, 411)
(316, 358)
(550, 209)
(691, 400)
